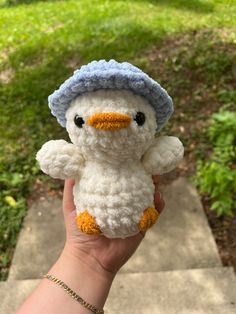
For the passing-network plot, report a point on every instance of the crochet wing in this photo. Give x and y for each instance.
(60, 160)
(164, 155)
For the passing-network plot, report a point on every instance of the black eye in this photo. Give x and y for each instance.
(140, 118)
(78, 121)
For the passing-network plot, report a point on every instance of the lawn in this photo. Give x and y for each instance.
(189, 46)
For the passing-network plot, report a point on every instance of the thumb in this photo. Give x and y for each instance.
(68, 198)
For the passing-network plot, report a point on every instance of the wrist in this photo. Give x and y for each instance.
(88, 261)
(84, 275)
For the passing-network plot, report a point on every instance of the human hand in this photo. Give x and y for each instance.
(109, 254)
(88, 263)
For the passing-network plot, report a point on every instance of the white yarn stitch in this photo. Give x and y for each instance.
(112, 169)
(60, 159)
(164, 155)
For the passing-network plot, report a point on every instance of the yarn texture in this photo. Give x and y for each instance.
(114, 151)
(111, 75)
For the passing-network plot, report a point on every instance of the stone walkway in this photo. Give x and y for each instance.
(176, 270)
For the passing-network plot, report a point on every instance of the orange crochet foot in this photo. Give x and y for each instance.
(87, 224)
(148, 219)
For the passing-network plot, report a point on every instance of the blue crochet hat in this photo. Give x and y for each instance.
(111, 75)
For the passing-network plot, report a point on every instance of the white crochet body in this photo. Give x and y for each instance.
(115, 194)
(112, 169)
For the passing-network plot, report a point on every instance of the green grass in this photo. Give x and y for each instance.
(42, 42)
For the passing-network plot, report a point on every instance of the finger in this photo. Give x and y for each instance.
(142, 233)
(159, 202)
(135, 240)
(68, 198)
(156, 180)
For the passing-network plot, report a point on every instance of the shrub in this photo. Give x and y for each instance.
(216, 176)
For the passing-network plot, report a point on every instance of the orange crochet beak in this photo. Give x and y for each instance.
(109, 121)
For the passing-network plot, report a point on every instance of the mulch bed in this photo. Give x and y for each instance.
(224, 231)
(170, 62)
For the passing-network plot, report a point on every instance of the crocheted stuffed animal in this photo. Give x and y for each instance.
(112, 112)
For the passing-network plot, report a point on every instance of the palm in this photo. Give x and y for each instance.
(111, 254)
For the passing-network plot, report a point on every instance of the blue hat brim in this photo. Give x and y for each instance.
(115, 78)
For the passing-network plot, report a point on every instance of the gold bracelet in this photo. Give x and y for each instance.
(74, 295)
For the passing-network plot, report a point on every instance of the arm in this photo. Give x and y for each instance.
(60, 160)
(88, 265)
(163, 156)
(82, 274)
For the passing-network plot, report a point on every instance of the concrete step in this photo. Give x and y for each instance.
(181, 239)
(198, 291)
(40, 241)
